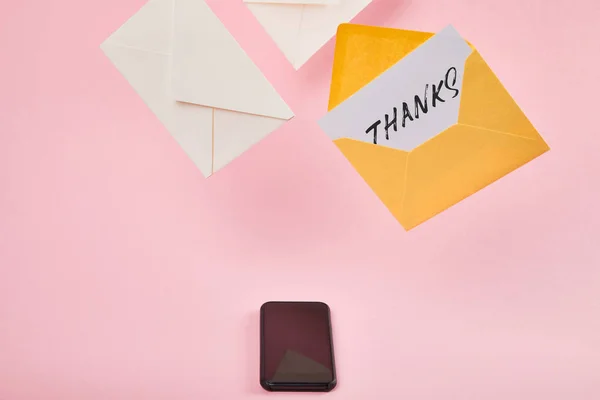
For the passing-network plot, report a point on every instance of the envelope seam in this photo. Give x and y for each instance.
(405, 185)
(212, 166)
(433, 137)
(500, 132)
(298, 34)
(231, 110)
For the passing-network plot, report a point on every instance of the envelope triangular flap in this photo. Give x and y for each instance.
(299, 30)
(144, 30)
(354, 50)
(382, 168)
(210, 68)
(492, 138)
(457, 163)
(485, 103)
(138, 51)
(236, 132)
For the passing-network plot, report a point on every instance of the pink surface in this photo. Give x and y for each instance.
(125, 275)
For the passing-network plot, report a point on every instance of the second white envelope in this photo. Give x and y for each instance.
(301, 27)
(190, 71)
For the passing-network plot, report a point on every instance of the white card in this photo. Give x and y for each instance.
(411, 102)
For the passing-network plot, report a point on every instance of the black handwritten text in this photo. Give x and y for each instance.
(421, 105)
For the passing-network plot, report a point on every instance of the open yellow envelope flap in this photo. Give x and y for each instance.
(492, 137)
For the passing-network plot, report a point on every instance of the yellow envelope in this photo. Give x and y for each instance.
(492, 137)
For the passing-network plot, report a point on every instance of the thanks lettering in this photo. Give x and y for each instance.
(440, 92)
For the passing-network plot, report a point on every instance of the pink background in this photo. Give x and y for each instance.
(125, 275)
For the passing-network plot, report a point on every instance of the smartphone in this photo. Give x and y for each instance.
(296, 347)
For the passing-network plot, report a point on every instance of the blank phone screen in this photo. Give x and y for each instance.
(296, 344)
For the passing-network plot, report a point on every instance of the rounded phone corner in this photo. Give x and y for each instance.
(331, 385)
(324, 305)
(266, 385)
(265, 304)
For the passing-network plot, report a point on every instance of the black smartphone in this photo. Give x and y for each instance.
(296, 347)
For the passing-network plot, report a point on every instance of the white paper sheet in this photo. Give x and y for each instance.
(404, 94)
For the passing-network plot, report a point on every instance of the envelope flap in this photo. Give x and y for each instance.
(299, 30)
(485, 103)
(382, 168)
(150, 29)
(234, 133)
(363, 52)
(210, 68)
(456, 164)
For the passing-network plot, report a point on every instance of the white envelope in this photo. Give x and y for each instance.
(190, 71)
(301, 27)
